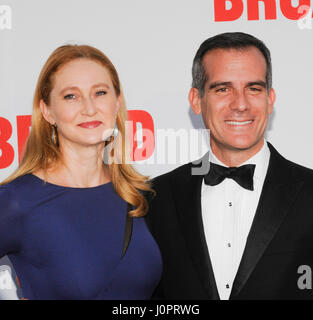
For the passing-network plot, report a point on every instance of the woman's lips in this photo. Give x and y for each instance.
(90, 125)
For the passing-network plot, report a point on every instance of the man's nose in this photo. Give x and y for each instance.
(89, 107)
(240, 102)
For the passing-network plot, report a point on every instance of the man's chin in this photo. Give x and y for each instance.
(245, 144)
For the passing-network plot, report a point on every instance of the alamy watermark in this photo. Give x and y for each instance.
(163, 146)
(6, 281)
(5, 17)
(305, 280)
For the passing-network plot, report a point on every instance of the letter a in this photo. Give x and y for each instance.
(291, 12)
(5, 17)
(305, 281)
(305, 20)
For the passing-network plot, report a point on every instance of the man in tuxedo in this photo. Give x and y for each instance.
(239, 223)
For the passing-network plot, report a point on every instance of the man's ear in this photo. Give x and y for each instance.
(195, 100)
(271, 100)
(45, 110)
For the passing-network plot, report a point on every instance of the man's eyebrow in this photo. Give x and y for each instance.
(229, 84)
(217, 84)
(257, 83)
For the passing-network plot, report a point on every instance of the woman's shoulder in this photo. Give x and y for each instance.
(21, 183)
(4, 193)
(11, 214)
(17, 195)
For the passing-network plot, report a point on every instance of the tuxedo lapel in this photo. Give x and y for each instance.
(276, 198)
(187, 194)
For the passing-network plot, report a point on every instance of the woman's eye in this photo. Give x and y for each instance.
(101, 93)
(69, 96)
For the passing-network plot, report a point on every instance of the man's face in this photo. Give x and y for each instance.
(235, 104)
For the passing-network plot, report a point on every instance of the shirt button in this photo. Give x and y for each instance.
(227, 286)
(230, 204)
(228, 245)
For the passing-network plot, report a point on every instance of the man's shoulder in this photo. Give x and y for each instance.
(294, 170)
(300, 172)
(179, 175)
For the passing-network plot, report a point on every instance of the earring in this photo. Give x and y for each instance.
(115, 131)
(54, 135)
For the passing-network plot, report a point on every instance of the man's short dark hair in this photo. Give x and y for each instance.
(229, 40)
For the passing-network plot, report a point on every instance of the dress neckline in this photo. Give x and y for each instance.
(35, 178)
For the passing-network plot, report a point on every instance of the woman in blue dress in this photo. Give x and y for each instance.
(71, 215)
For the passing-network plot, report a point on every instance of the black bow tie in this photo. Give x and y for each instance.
(242, 175)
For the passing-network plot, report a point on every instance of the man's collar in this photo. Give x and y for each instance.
(260, 159)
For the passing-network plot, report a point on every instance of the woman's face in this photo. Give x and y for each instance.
(83, 103)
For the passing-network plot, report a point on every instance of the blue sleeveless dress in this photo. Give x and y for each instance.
(67, 243)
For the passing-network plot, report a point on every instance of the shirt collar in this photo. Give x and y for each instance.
(260, 159)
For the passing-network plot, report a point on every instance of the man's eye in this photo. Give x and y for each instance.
(255, 89)
(224, 89)
(69, 96)
(101, 93)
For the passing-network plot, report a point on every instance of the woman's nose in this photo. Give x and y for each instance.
(89, 107)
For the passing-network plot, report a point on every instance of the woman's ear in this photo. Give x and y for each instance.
(119, 102)
(45, 110)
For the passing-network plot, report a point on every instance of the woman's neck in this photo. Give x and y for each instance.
(80, 167)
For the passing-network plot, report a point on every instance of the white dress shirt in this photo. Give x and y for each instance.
(227, 212)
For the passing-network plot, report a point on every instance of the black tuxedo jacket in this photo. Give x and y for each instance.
(279, 242)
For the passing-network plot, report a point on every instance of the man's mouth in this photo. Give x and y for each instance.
(238, 123)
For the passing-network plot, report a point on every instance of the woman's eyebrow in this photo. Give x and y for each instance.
(101, 84)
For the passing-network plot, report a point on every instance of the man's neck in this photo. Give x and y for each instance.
(235, 157)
